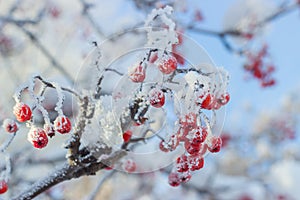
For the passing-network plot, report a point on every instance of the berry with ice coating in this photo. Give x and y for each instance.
(157, 98)
(138, 74)
(215, 146)
(22, 112)
(174, 179)
(62, 124)
(163, 146)
(224, 99)
(10, 126)
(168, 65)
(37, 137)
(207, 102)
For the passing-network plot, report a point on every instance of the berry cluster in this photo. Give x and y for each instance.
(37, 136)
(259, 68)
(190, 91)
(167, 64)
(210, 101)
(10, 126)
(196, 140)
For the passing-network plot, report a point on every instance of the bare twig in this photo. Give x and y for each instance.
(47, 54)
(48, 84)
(222, 35)
(6, 145)
(85, 12)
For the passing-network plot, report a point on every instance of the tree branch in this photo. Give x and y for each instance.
(68, 172)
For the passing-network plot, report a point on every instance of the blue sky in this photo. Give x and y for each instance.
(284, 46)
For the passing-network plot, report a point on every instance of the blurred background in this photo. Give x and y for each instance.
(257, 41)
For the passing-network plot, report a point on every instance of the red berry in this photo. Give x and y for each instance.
(174, 179)
(163, 146)
(127, 135)
(224, 99)
(199, 136)
(10, 126)
(37, 137)
(216, 143)
(196, 163)
(168, 65)
(129, 165)
(157, 98)
(182, 164)
(138, 75)
(3, 186)
(192, 149)
(22, 112)
(62, 124)
(185, 177)
(207, 102)
(49, 130)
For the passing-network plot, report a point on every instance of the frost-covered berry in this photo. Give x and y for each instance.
(215, 146)
(138, 74)
(22, 112)
(49, 130)
(62, 124)
(192, 149)
(168, 65)
(182, 164)
(37, 137)
(10, 126)
(3, 186)
(174, 179)
(207, 102)
(185, 177)
(129, 165)
(157, 98)
(163, 146)
(127, 135)
(224, 99)
(199, 136)
(196, 163)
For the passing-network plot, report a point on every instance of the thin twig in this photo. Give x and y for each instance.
(9, 141)
(46, 53)
(48, 84)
